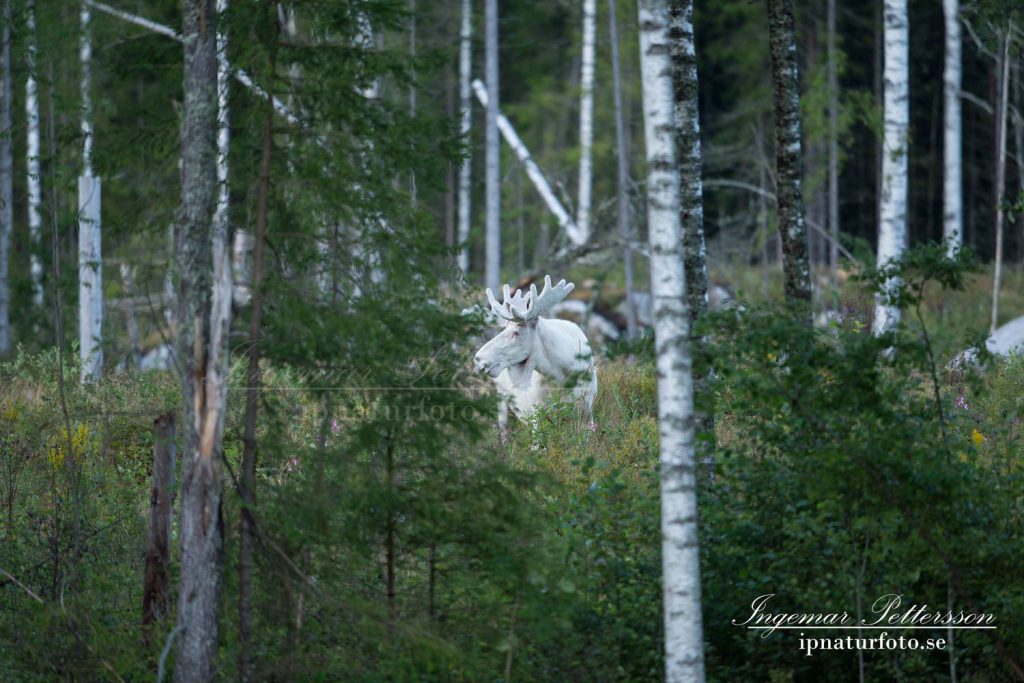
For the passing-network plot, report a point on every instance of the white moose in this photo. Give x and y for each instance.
(533, 356)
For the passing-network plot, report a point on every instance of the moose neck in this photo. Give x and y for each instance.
(550, 357)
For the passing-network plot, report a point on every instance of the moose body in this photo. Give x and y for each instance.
(533, 357)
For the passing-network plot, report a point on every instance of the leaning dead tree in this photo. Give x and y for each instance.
(533, 171)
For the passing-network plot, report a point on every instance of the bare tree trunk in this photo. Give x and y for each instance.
(790, 202)
(412, 88)
(6, 185)
(254, 383)
(202, 351)
(691, 206)
(155, 588)
(952, 191)
(586, 120)
(1002, 100)
(492, 263)
(622, 178)
(833, 144)
(90, 250)
(33, 179)
(892, 223)
(466, 113)
(688, 154)
(684, 640)
(1018, 133)
(134, 344)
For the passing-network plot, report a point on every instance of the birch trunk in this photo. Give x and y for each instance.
(790, 202)
(1002, 100)
(892, 223)
(33, 179)
(6, 184)
(833, 144)
(202, 346)
(684, 642)
(688, 154)
(622, 178)
(586, 121)
(691, 206)
(492, 262)
(466, 124)
(90, 251)
(952, 192)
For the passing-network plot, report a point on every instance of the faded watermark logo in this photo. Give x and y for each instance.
(893, 623)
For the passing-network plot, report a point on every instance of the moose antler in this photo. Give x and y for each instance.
(512, 307)
(522, 308)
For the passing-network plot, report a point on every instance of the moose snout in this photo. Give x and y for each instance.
(485, 364)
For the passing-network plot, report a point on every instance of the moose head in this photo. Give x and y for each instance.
(514, 346)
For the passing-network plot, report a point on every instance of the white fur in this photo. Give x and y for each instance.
(530, 360)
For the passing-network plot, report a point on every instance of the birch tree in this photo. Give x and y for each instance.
(32, 181)
(788, 165)
(6, 183)
(492, 262)
(90, 251)
(684, 641)
(586, 120)
(952, 71)
(892, 219)
(622, 168)
(688, 157)
(691, 203)
(202, 345)
(1002, 101)
(466, 124)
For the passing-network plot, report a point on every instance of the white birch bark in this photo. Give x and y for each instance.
(90, 251)
(33, 183)
(6, 183)
(952, 73)
(892, 222)
(466, 124)
(586, 121)
(492, 260)
(1002, 100)
(684, 642)
(622, 178)
(221, 246)
(533, 172)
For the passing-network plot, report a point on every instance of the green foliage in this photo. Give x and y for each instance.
(848, 470)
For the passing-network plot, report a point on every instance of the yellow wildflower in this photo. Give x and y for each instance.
(79, 442)
(977, 437)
